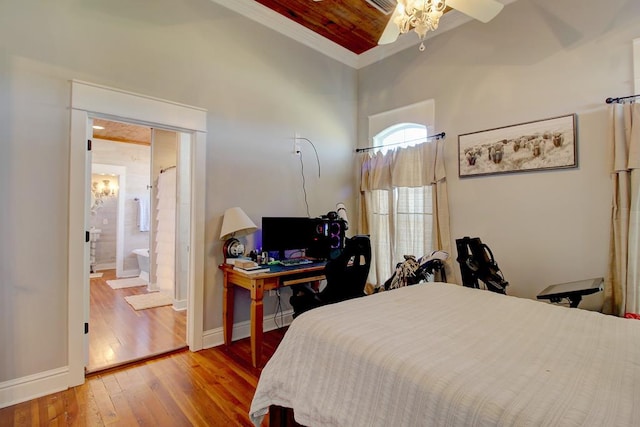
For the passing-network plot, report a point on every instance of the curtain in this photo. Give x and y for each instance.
(622, 280)
(166, 231)
(393, 184)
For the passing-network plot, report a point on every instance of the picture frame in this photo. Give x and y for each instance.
(532, 146)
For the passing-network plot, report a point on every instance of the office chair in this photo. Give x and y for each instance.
(346, 277)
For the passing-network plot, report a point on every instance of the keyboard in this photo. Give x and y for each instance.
(294, 261)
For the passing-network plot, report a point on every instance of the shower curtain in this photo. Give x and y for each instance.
(166, 231)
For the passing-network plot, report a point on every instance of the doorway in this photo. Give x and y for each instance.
(133, 251)
(90, 101)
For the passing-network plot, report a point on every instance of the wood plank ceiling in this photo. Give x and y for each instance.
(352, 24)
(122, 132)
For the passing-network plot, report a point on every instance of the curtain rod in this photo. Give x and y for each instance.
(436, 136)
(621, 99)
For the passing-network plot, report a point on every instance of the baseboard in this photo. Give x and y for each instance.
(33, 386)
(215, 337)
(179, 304)
(105, 266)
(130, 273)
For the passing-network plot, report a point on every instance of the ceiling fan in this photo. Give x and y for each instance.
(423, 15)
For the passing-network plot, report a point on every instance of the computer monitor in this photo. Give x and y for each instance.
(283, 234)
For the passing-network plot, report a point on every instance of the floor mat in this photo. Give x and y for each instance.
(130, 282)
(150, 300)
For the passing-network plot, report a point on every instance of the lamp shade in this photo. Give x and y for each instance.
(236, 223)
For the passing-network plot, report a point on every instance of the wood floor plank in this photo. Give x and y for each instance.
(103, 401)
(88, 411)
(212, 387)
(119, 334)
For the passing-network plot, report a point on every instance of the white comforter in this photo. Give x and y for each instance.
(442, 355)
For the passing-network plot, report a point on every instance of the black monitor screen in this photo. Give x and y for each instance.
(287, 233)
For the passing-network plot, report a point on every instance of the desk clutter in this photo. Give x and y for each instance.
(250, 267)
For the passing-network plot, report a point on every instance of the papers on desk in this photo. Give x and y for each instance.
(237, 261)
(253, 270)
(249, 267)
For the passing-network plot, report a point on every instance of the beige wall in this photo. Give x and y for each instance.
(537, 59)
(258, 86)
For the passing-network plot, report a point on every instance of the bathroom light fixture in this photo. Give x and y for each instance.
(105, 189)
(102, 190)
(235, 223)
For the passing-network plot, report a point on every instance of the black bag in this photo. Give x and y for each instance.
(478, 265)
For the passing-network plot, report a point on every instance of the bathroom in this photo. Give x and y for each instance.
(124, 220)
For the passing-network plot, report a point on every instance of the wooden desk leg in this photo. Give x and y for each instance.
(257, 313)
(228, 295)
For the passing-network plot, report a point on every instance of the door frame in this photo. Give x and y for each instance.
(89, 100)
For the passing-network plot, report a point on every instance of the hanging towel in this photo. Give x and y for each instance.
(143, 213)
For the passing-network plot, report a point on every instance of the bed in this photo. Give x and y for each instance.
(438, 354)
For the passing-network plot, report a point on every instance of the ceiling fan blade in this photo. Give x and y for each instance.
(482, 10)
(391, 31)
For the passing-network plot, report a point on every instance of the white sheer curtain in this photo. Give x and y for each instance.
(622, 281)
(404, 205)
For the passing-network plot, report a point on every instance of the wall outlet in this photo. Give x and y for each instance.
(297, 147)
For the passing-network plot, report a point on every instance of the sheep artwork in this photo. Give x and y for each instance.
(536, 145)
(472, 154)
(496, 152)
(558, 139)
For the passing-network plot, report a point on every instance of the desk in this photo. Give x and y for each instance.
(573, 291)
(257, 284)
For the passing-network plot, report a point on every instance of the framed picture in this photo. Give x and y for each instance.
(532, 146)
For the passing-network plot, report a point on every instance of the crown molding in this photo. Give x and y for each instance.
(263, 15)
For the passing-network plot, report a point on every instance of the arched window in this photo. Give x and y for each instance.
(400, 136)
(401, 218)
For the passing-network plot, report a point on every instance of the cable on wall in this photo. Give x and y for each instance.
(304, 189)
(440, 135)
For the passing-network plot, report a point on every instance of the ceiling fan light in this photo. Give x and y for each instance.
(420, 15)
(424, 15)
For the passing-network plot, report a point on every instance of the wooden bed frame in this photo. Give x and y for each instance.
(280, 416)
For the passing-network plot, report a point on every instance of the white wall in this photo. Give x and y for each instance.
(258, 87)
(537, 59)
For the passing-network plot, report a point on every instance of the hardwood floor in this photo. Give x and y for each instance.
(119, 334)
(213, 387)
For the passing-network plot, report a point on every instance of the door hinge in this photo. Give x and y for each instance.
(88, 145)
(87, 236)
(86, 328)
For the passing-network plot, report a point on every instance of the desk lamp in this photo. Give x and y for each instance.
(235, 223)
